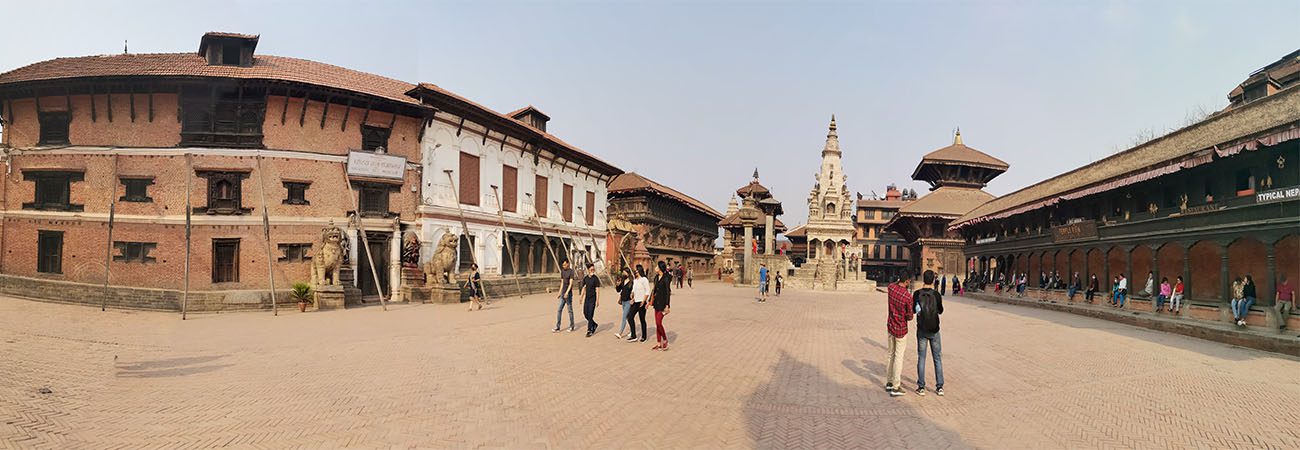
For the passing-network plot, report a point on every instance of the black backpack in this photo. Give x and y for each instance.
(928, 319)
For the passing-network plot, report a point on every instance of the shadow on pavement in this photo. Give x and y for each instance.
(174, 367)
(800, 407)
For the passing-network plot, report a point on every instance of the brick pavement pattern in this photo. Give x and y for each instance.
(803, 370)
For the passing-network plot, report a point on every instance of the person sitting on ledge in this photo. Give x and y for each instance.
(1284, 301)
(1165, 291)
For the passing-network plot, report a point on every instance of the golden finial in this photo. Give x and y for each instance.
(956, 138)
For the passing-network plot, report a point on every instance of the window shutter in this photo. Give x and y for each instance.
(509, 188)
(469, 175)
(566, 203)
(540, 196)
(590, 209)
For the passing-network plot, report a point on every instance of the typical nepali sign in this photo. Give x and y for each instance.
(1074, 231)
(986, 240)
(1278, 195)
(379, 166)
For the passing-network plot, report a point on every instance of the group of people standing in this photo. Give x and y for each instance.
(925, 304)
(635, 294)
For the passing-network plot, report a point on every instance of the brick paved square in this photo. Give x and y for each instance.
(803, 370)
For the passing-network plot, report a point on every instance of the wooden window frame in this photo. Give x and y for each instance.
(234, 264)
(470, 176)
(541, 195)
(134, 252)
(374, 138)
(300, 187)
(566, 203)
(383, 190)
(509, 188)
(58, 180)
(590, 211)
(215, 115)
(52, 123)
(136, 183)
(215, 205)
(294, 252)
(48, 260)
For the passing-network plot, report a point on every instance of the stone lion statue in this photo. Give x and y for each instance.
(329, 258)
(441, 267)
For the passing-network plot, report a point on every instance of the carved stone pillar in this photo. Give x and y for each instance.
(770, 234)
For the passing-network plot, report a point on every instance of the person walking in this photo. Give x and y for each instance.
(1176, 300)
(590, 298)
(1237, 300)
(762, 282)
(1092, 289)
(624, 288)
(780, 280)
(690, 277)
(475, 287)
(1166, 291)
(640, 295)
(679, 274)
(900, 312)
(659, 299)
(1247, 299)
(943, 285)
(1284, 302)
(566, 296)
(929, 304)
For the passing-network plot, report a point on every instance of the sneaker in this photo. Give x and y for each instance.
(557, 330)
(588, 334)
(631, 338)
(888, 387)
(896, 393)
(642, 339)
(618, 336)
(571, 329)
(920, 390)
(938, 391)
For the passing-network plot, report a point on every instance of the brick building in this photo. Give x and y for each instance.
(1213, 201)
(884, 252)
(662, 224)
(123, 144)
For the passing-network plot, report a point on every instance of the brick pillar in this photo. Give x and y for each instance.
(1128, 270)
(1187, 272)
(1155, 271)
(1225, 285)
(1266, 295)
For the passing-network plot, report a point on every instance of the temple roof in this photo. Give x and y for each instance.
(958, 154)
(632, 181)
(733, 221)
(949, 201)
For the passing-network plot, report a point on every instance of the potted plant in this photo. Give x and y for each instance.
(302, 293)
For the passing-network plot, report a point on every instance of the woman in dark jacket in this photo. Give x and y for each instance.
(659, 299)
(1248, 299)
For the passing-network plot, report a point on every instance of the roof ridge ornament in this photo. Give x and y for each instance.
(755, 173)
(956, 137)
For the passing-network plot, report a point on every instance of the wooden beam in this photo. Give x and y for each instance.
(486, 132)
(93, 115)
(131, 93)
(284, 111)
(37, 94)
(424, 124)
(67, 101)
(179, 88)
(325, 113)
(110, 103)
(392, 121)
(302, 116)
(461, 126)
(151, 103)
(346, 113)
(503, 142)
(366, 116)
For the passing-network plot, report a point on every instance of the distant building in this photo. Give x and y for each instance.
(884, 253)
(957, 175)
(1266, 81)
(651, 222)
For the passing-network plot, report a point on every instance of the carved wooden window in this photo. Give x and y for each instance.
(53, 190)
(469, 179)
(225, 193)
(373, 137)
(509, 188)
(1245, 181)
(49, 251)
(225, 260)
(590, 209)
(566, 203)
(294, 252)
(54, 127)
(226, 116)
(540, 197)
(372, 199)
(134, 251)
(296, 192)
(137, 189)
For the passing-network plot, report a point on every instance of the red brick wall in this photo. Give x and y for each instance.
(1097, 266)
(1115, 262)
(1170, 262)
(1141, 265)
(1246, 256)
(1206, 284)
(1077, 260)
(1286, 260)
(164, 131)
(403, 141)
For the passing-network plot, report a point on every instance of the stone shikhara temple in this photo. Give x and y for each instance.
(104, 156)
(1216, 200)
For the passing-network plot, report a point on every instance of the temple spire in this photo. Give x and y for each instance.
(956, 138)
(755, 173)
(832, 139)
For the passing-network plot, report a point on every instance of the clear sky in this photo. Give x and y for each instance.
(698, 94)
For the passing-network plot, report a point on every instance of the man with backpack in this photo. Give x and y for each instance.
(929, 305)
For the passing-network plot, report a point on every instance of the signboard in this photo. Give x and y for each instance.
(1278, 195)
(375, 165)
(1075, 231)
(986, 240)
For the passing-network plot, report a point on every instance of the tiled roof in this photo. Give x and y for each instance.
(265, 67)
(518, 112)
(607, 168)
(230, 35)
(632, 181)
(1272, 112)
(797, 231)
(959, 153)
(948, 201)
(733, 221)
(754, 187)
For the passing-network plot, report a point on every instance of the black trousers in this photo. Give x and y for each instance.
(637, 310)
(589, 311)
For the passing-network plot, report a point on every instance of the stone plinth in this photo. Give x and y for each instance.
(348, 279)
(432, 294)
(411, 277)
(328, 297)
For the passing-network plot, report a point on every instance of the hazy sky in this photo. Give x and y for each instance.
(696, 95)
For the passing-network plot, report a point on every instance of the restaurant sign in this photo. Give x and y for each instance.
(986, 240)
(1075, 231)
(1278, 195)
(375, 165)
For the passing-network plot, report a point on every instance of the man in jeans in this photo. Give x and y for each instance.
(900, 312)
(929, 305)
(762, 282)
(566, 296)
(1285, 301)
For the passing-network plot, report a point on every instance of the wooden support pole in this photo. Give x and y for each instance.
(347, 112)
(486, 132)
(595, 246)
(461, 126)
(108, 251)
(545, 239)
(505, 236)
(189, 183)
(266, 234)
(365, 243)
(392, 121)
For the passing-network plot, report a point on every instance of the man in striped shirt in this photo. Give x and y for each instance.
(900, 312)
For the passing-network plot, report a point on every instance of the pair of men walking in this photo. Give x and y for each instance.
(589, 289)
(925, 304)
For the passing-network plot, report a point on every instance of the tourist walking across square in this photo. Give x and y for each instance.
(1284, 301)
(640, 295)
(475, 287)
(590, 298)
(659, 299)
(929, 305)
(780, 280)
(900, 312)
(624, 288)
(566, 296)
(762, 282)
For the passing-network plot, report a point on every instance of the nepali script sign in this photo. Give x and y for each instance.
(1074, 231)
(378, 166)
(1278, 195)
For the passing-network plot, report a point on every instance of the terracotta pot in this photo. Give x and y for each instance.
(302, 306)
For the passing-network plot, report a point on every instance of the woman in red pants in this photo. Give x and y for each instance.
(659, 299)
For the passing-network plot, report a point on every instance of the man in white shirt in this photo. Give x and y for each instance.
(640, 294)
(1123, 291)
